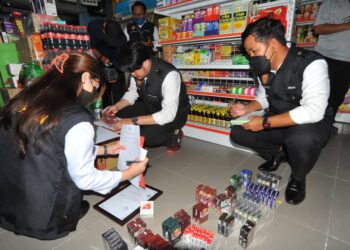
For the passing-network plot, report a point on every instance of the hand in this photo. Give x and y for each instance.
(115, 148)
(149, 43)
(254, 124)
(118, 124)
(238, 109)
(135, 169)
(105, 60)
(110, 110)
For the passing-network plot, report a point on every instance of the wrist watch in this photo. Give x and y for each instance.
(266, 125)
(134, 121)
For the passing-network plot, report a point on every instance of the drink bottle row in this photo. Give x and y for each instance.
(64, 37)
(59, 38)
(210, 115)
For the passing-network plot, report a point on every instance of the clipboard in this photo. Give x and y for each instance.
(115, 197)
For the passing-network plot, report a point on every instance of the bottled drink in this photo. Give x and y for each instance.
(97, 107)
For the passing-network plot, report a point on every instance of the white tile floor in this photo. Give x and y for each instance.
(322, 221)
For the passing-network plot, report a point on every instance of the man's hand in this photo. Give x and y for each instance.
(254, 124)
(238, 109)
(110, 110)
(118, 125)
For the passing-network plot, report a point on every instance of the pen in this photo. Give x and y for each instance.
(128, 163)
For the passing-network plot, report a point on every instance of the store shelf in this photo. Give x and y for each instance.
(213, 66)
(176, 10)
(222, 95)
(305, 22)
(206, 39)
(305, 45)
(215, 129)
(220, 136)
(224, 78)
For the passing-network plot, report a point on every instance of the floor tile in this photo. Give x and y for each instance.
(314, 210)
(340, 219)
(281, 233)
(333, 244)
(344, 167)
(327, 163)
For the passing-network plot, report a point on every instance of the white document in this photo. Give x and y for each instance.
(103, 134)
(130, 139)
(127, 201)
(245, 118)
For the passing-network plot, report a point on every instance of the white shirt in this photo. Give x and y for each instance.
(155, 36)
(315, 93)
(80, 152)
(170, 92)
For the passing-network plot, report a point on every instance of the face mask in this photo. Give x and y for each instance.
(86, 97)
(260, 64)
(139, 20)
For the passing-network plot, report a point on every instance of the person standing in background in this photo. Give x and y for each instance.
(332, 24)
(106, 38)
(140, 30)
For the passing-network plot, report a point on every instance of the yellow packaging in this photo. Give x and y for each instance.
(226, 20)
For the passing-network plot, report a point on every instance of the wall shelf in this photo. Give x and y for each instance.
(213, 66)
(232, 37)
(222, 95)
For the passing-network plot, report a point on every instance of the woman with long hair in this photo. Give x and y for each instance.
(47, 151)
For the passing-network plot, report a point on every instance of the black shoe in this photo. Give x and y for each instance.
(274, 163)
(295, 191)
(84, 208)
(175, 142)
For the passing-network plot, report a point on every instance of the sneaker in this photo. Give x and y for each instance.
(84, 208)
(175, 141)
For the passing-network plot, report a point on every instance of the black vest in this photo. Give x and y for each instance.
(151, 92)
(38, 197)
(284, 90)
(143, 34)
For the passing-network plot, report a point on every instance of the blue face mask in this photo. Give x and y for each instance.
(139, 20)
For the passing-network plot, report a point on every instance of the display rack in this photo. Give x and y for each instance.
(218, 135)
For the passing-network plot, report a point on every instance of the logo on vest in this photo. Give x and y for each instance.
(133, 27)
(291, 87)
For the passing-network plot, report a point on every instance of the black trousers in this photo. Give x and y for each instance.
(339, 76)
(155, 135)
(302, 144)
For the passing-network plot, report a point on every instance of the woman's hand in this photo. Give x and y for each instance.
(114, 148)
(135, 169)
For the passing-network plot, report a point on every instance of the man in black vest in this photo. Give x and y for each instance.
(295, 94)
(163, 103)
(140, 30)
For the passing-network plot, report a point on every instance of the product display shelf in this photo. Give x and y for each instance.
(176, 10)
(306, 45)
(224, 78)
(305, 22)
(222, 95)
(213, 66)
(202, 39)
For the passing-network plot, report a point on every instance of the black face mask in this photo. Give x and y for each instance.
(86, 97)
(260, 64)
